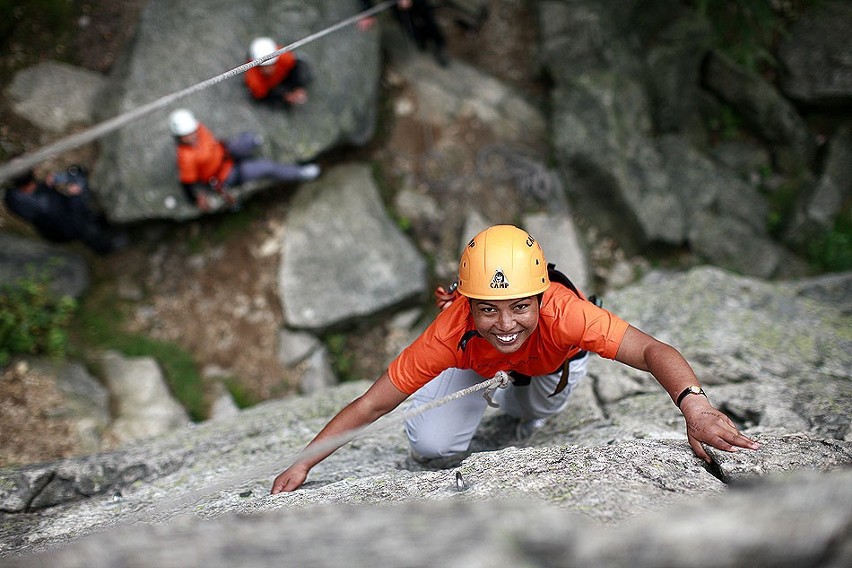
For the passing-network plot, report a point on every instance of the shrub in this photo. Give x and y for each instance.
(33, 320)
(832, 251)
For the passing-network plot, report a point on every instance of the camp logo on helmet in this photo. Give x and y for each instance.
(499, 279)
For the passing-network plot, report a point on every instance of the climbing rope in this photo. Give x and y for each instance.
(500, 380)
(27, 161)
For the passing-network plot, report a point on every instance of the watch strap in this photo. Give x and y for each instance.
(687, 391)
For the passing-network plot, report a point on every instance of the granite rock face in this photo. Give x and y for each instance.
(610, 481)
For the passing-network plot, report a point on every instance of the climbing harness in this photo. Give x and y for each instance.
(27, 161)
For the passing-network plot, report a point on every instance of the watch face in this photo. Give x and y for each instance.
(695, 390)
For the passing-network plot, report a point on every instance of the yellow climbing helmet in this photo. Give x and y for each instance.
(502, 262)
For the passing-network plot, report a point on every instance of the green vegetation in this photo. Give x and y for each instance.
(239, 393)
(342, 359)
(728, 124)
(832, 251)
(100, 327)
(34, 320)
(746, 30)
(781, 205)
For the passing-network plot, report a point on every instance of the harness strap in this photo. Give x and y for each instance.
(467, 337)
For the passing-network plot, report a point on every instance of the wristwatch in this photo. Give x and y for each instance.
(694, 389)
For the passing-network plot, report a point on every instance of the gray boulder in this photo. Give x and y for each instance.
(616, 457)
(342, 257)
(180, 44)
(801, 520)
(610, 103)
(816, 56)
(144, 407)
(559, 238)
(772, 117)
(55, 96)
(822, 202)
(84, 400)
(21, 258)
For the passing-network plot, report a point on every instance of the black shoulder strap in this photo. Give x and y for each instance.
(467, 337)
(560, 278)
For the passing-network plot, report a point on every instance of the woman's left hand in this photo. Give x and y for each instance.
(706, 424)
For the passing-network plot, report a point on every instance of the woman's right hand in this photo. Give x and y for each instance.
(290, 479)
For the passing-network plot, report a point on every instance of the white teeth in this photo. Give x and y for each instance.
(507, 338)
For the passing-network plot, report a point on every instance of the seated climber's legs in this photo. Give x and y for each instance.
(253, 169)
(448, 429)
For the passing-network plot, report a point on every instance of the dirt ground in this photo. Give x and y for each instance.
(210, 285)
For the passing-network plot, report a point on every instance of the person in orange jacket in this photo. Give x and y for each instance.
(207, 163)
(519, 317)
(281, 79)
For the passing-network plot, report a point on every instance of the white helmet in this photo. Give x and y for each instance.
(261, 47)
(182, 122)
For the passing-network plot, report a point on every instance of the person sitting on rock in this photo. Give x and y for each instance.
(60, 209)
(523, 318)
(206, 163)
(281, 79)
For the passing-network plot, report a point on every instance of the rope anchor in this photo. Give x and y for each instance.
(461, 484)
(501, 380)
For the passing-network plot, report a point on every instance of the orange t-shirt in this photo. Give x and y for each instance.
(260, 84)
(203, 161)
(567, 324)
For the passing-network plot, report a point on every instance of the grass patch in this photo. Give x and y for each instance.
(99, 325)
(242, 396)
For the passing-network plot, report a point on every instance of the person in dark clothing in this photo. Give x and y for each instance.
(60, 209)
(417, 17)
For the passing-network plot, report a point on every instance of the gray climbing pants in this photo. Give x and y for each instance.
(448, 429)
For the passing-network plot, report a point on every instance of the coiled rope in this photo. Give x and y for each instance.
(180, 505)
(24, 163)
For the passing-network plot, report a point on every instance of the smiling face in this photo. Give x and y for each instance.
(505, 324)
